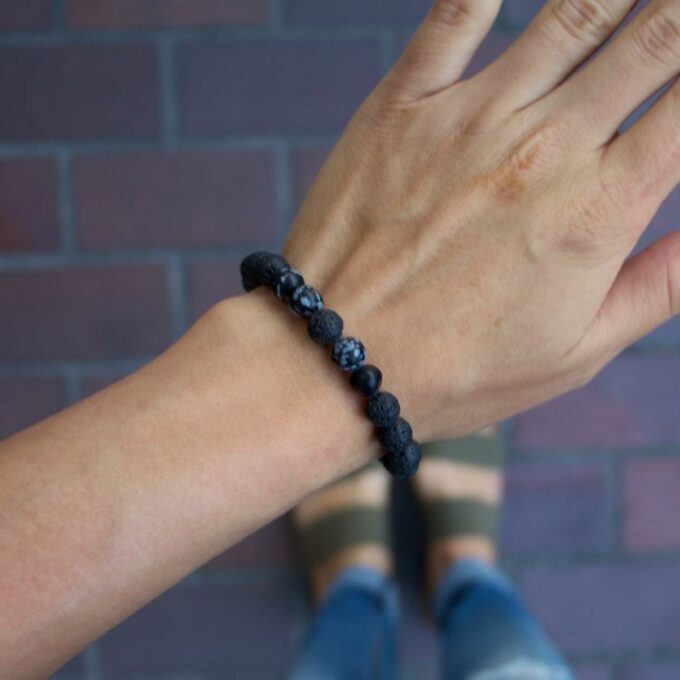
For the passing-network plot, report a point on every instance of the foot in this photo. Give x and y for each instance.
(459, 486)
(344, 525)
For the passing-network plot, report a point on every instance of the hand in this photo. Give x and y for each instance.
(475, 233)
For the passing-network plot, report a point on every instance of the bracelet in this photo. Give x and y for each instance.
(402, 453)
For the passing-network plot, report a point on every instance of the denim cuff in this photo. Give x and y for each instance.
(372, 582)
(461, 573)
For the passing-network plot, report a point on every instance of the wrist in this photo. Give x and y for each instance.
(296, 393)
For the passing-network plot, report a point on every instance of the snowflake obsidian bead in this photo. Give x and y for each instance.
(406, 464)
(287, 282)
(383, 409)
(366, 379)
(262, 269)
(324, 326)
(305, 300)
(396, 438)
(348, 353)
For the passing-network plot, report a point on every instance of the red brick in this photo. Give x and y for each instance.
(633, 402)
(652, 504)
(302, 86)
(29, 211)
(25, 15)
(126, 14)
(659, 670)
(208, 282)
(553, 508)
(184, 198)
(236, 630)
(357, 11)
(83, 313)
(306, 164)
(25, 401)
(270, 546)
(613, 608)
(79, 92)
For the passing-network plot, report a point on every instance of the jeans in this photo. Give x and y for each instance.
(485, 632)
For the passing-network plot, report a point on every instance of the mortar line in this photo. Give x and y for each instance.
(177, 293)
(67, 224)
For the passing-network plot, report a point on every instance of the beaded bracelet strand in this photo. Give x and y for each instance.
(401, 452)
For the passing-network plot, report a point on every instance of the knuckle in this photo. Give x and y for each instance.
(455, 12)
(586, 231)
(584, 19)
(604, 201)
(657, 36)
(626, 198)
(527, 165)
(604, 216)
(583, 235)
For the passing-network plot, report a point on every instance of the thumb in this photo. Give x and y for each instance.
(645, 294)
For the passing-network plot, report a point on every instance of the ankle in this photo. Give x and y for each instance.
(374, 557)
(443, 554)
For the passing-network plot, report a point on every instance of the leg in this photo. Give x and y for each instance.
(486, 632)
(343, 531)
(353, 635)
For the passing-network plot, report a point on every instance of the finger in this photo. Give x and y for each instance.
(641, 59)
(645, 294)
(444, 45)
(561, 36)
(642, 162)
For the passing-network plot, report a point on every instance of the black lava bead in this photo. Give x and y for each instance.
(288, 281)
(348, 353)
(366, 379)
(383, 409)
(396, 438)
(324, 326)
(406, 464)
(250, 270)
(261, 268)
(272, 268)
(305, 300)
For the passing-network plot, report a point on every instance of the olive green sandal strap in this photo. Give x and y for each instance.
(340, 530)
(454, 517)
(476, 449)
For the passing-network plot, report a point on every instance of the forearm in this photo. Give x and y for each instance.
(109, 503)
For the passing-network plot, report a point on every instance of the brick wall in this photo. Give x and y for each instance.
(145, 145)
